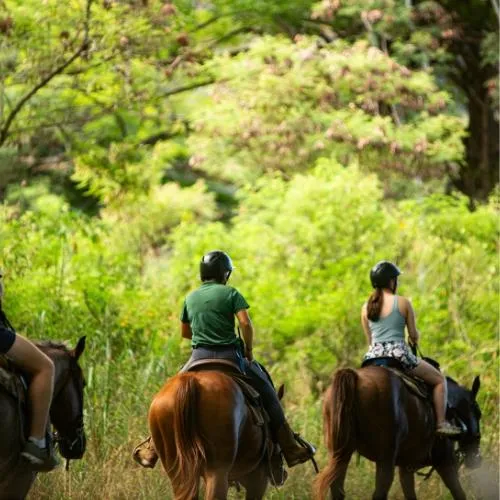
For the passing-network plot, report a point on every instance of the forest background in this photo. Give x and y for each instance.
(307, 139)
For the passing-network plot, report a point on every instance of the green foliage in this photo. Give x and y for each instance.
(300, 101)
(308, 139)
(302, 250)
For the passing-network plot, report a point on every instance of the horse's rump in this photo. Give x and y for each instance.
(200, 422)
(372, 411)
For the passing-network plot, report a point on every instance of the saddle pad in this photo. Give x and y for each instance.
(12, 384)
(418, 387)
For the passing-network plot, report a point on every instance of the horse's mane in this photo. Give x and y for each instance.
(49, 344)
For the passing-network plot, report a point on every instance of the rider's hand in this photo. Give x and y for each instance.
(249, 355)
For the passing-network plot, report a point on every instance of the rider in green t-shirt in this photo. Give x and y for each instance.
(207, 319)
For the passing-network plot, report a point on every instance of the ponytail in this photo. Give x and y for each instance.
(374, 306)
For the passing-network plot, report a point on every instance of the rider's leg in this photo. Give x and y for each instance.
(282, 433)
(435, 378)
(41, 368)
(270, 401)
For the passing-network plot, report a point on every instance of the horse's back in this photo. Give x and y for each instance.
(215, 390)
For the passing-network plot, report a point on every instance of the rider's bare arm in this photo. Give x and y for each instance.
(247, 331)
(411, 325)
(186, 331)
(366, 326)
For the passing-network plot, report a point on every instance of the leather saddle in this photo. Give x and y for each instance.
(415, 385)
(12, 381)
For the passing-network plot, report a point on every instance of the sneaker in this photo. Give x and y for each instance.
(447, 429)
(40, 459)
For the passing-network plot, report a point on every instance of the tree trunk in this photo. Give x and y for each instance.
(480, 172)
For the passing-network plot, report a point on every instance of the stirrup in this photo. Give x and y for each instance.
(309, 447)
(305, 444)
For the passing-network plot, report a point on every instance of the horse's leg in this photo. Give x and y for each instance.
(217, 485)
(255, 483)
(407, 480)
(179, 494)
(19, 484)
(337, 486)
(449, 475)
(384, 478)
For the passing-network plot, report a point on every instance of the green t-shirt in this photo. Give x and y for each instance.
(210, 311)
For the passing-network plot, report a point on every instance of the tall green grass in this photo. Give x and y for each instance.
(117, 398)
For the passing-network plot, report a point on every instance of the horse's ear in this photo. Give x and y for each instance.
(281, 391)
(475, 387)
(80, 347)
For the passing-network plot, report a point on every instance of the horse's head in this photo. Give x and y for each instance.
(467, 414)
(66, 411)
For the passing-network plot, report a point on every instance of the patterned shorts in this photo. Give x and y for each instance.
(397, 350)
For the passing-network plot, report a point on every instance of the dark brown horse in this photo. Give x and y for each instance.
(66, 414)
(371, 411)
(202, 428)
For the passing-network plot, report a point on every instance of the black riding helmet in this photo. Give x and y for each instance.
(382, 273)
(216, 265)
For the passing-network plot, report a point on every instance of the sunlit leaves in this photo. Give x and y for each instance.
(304, 100)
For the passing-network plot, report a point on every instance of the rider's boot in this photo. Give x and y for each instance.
(294, 452)
(145, 454)
(41, 459)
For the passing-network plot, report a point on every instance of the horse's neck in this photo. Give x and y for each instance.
(61, 364)
(455, 392)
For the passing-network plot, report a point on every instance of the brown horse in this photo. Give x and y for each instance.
(66, 414)
(202, 428)
(370, 410)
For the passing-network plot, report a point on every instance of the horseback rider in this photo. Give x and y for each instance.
(207, 320)
(29, 358)
(384, 318)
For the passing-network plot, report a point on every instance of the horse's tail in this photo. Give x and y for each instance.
(189, 445)
(340, 427)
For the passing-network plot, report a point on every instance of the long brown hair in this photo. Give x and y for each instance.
(375, 303)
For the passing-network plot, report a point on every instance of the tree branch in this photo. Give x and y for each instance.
(214, 19)
(185, 88)
(162, 136)
(4, 131)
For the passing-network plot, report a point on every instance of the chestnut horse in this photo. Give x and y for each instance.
(66, 414)
(371, 411)
(201, 427)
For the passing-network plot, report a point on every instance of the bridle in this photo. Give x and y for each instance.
(76, 426)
